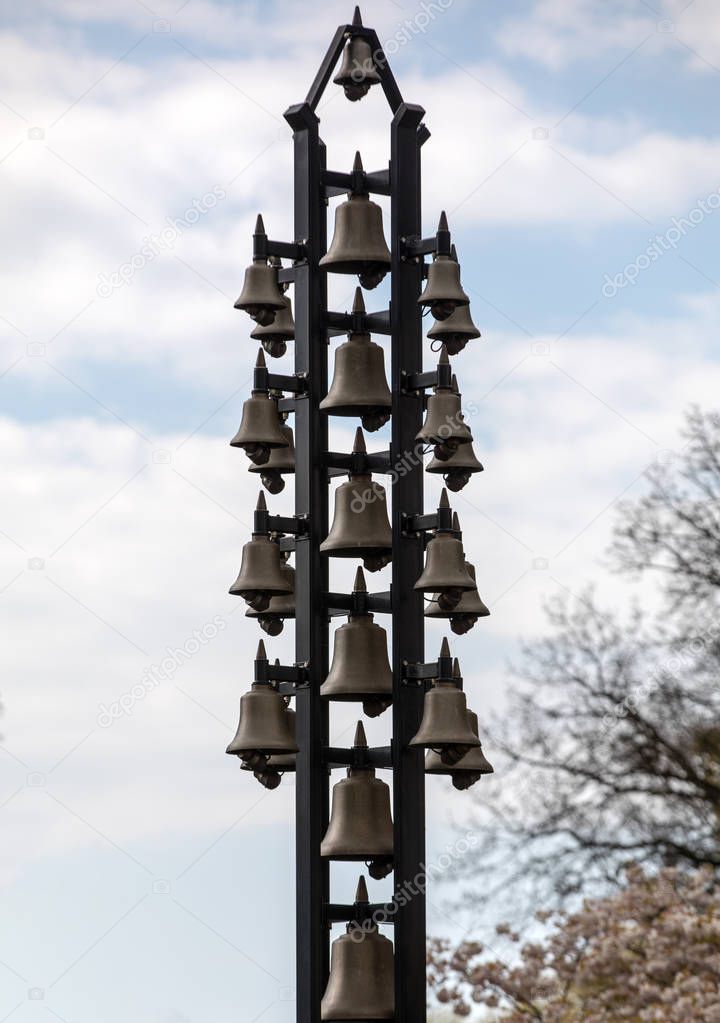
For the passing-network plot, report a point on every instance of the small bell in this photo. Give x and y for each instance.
(457, 469)
(360, 669)
(260, 577)
(444, 727)
(469, 769)
(273, 337)
(264, 727)
(361, 983)
(261, 427)
(444, 425)
(465, 613)
(445, 573)
(360, 528)
(261, 297)
(359, 386)
(455, 331)
(357, 72)
(360, 825)
(279, 608)
(443, 292)
(358, 245)
(280, 462)
(275, 766)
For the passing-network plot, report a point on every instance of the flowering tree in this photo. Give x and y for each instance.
(647, 954)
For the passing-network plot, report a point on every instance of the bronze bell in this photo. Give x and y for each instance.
(274, 336)
(443, 292)
(360, 825)
(260, 576)
(445, 573)
(456, 470)
(279, 608)
(465, 613)
(360, 528)
(469, 769)
(445, 727)
(358, 245)
(260, 429)
(455, 331)
(261, 297)
(280, 462)
(359, 386)
(360, 669)
(361, 984)
(357, 72)
(264, 727)
(444, 425)
(269, 773)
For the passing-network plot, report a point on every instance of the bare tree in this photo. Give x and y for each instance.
(612, 737)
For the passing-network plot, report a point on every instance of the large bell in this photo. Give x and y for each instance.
(359, 386)
(357, 72)
(456, 470)
(455, 331)
(466, 612)
(360, 669)
(443, 292)
(444, 425)
(358, 245)
(274, 336)
(264, 727)
(469, 769)
(260, 577)
(261, 297)
(361, 984)
(445, 572)
(360, 825)
(269, 771)
(445, 727)
(279, 608)
(281, 462)
(360, 528)
(260, 429)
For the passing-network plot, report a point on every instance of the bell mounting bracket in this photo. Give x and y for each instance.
(357, 182)
(264, 380)
(359, 323)
(264, 247)
(358, 603)
(439, 377)
(358, 463)
(439, 520)
(358, 912)
(264, 522)
(288, 677)
(358, 756)
(440, 670)
(439, 244)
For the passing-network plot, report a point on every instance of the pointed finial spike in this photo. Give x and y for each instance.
(360, 740)
(358, 301)
(454, 384)
(277, 662)
(357, 18)
(259, 225)
(261, 654)
(444, 359)
(443, 222)
(453, 253)
(359, 586)
(357, 162)
(444, 499)
(260, 361)
(359, 445)
(361, 894)
(444, 648)
(261, 503)
(456, 522)
(456, 669)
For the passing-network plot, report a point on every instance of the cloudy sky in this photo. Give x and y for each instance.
(572, 145)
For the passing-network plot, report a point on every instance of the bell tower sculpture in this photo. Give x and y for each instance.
(376, 969)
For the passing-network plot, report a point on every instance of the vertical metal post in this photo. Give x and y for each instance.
(311, 571)
(407, 619)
